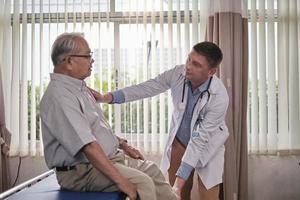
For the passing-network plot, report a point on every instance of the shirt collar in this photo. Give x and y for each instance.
(201, 88)
(78, 84)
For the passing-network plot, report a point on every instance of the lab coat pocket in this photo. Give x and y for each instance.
(219, 130)
(200, 136)
(199, 145)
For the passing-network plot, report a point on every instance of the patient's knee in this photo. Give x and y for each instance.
(146, 181)
(146, 187)
(153, 171)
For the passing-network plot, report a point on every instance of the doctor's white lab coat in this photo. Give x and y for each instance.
(205, 150)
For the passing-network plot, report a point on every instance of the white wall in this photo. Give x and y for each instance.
(30, 167)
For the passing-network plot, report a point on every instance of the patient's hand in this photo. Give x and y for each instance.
(132, 152)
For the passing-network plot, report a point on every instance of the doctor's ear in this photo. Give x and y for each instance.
(212, 71)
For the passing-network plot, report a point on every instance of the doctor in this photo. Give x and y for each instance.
(197, 131)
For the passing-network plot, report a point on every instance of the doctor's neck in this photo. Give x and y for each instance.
(196, 84)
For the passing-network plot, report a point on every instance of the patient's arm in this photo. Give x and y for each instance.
(100, 161)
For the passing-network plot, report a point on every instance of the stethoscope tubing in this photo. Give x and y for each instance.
(200, 97)
(202, 93)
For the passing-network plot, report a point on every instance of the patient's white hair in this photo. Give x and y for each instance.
(63, 44)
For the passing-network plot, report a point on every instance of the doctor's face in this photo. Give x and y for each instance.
(197, 70)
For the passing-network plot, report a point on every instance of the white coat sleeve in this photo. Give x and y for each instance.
(152, 87)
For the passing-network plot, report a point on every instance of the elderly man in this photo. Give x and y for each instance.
(78, 141)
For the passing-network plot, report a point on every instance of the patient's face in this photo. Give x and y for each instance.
(81, 61)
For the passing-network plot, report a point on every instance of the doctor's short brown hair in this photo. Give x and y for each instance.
(210, 51)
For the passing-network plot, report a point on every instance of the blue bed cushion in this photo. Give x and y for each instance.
(48, 189)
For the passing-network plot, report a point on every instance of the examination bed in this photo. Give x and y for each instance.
(45, 187)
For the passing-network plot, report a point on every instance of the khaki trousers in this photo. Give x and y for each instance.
(145, 175)
(177, 152)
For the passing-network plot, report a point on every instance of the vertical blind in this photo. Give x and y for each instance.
(132, 41)
(273, 110)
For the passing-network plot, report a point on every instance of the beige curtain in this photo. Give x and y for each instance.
(229, 31)
(4, 141)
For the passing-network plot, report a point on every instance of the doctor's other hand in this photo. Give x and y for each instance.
(177, 192)
(178, 185)
(101, 98)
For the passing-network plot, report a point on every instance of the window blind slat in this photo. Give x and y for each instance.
(117, 69)
(293, 78)
(153, 68)
(82, 15)
(66, 15)
(203, 16)
(33, 86)
(195, 31)
(89, 36)
(283, 136)
(162, 97)
(186, 28)
(131, 79)
(6, 61)
(178, 25)
(254, 99)
(41, 146)
(24, 87)
(298, 42)
(15, 88)
(74, 16)
(170, 55)
(262, 79)
(100, 66)
(272, 111)
(145, 77)
(138, 79)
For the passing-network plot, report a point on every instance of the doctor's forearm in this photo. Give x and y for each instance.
(117, 97)
(184, 171)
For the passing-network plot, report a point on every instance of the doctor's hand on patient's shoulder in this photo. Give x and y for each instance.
(131, 151)
(101, 98)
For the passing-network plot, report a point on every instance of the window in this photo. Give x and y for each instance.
(273, 111)
(133, 40)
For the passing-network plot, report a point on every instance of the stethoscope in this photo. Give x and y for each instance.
(202, 93)
(200, 97)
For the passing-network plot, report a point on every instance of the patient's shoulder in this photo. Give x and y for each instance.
(56, 94)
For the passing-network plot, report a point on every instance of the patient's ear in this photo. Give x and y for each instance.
(69, 63)
(69, 60)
